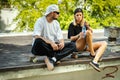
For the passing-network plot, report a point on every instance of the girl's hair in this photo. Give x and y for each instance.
(76, 11)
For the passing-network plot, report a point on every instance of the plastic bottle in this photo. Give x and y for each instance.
(84, 30)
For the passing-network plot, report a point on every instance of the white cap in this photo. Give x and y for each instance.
(51, 8)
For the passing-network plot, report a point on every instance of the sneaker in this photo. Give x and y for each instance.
(31, 58)
(74, 55)
(35, 60)
(50, 63)
(95, 66)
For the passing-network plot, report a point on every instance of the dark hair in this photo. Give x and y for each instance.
(78, 10)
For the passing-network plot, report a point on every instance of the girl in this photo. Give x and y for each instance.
(80, 32)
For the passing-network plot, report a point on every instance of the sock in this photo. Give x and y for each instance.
(95, 62)
(54, 59)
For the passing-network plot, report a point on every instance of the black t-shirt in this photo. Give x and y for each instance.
(74, 30)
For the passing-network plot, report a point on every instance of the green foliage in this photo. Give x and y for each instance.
(104, 12)
(98, 13)
(66, 13)
(30, 10)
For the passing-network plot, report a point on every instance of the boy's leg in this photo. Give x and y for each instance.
(43, 49)
(49, 63)
(67, 50)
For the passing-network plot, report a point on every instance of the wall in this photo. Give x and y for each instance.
(6, 19)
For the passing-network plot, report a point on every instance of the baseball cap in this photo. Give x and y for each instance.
(78, 10)
(51, 8)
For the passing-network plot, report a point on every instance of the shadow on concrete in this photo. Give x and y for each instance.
(14, 55)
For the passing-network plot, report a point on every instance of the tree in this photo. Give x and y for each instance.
(30, 10)
(103, 12)
(98, 13)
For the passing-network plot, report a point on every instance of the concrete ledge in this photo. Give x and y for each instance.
(96, 32)
(83, 59)
(15, 34)
(15, 64)
(82, 68)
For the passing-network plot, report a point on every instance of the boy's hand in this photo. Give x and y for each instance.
(54, 46)
(60, 46)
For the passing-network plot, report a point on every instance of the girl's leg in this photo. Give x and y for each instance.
(89, 42)
(80, 43)
(100, 47)
(80, 46)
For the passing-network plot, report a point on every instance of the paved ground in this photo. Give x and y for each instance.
(14, 52)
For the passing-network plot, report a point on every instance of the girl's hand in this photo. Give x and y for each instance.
(82, 34)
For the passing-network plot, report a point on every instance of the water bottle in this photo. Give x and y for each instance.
(84, 30)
